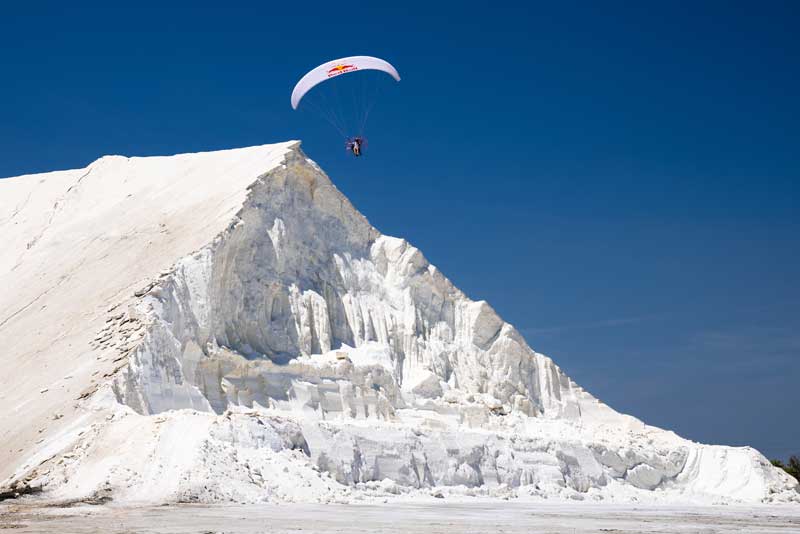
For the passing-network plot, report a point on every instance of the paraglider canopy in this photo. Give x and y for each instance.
(337, 67)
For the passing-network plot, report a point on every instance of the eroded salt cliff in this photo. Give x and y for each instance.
(289, 351)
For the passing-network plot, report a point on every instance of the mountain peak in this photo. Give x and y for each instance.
(236, 307)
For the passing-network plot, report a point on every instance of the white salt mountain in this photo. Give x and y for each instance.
(227, 327)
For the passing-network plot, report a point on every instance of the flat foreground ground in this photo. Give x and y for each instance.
(429, 517)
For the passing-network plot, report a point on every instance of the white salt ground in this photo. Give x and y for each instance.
(470, 516)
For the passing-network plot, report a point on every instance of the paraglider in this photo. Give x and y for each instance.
(355, 145)
(344, 101)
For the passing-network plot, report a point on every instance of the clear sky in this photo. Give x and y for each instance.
(619, 180)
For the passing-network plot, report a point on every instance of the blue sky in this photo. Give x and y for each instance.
(620, 181)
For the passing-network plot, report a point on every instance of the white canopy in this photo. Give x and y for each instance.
(334, 68)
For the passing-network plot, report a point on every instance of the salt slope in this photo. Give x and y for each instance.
(77, 242)
(297, 353)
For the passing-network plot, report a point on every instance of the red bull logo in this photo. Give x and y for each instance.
(341, 69)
